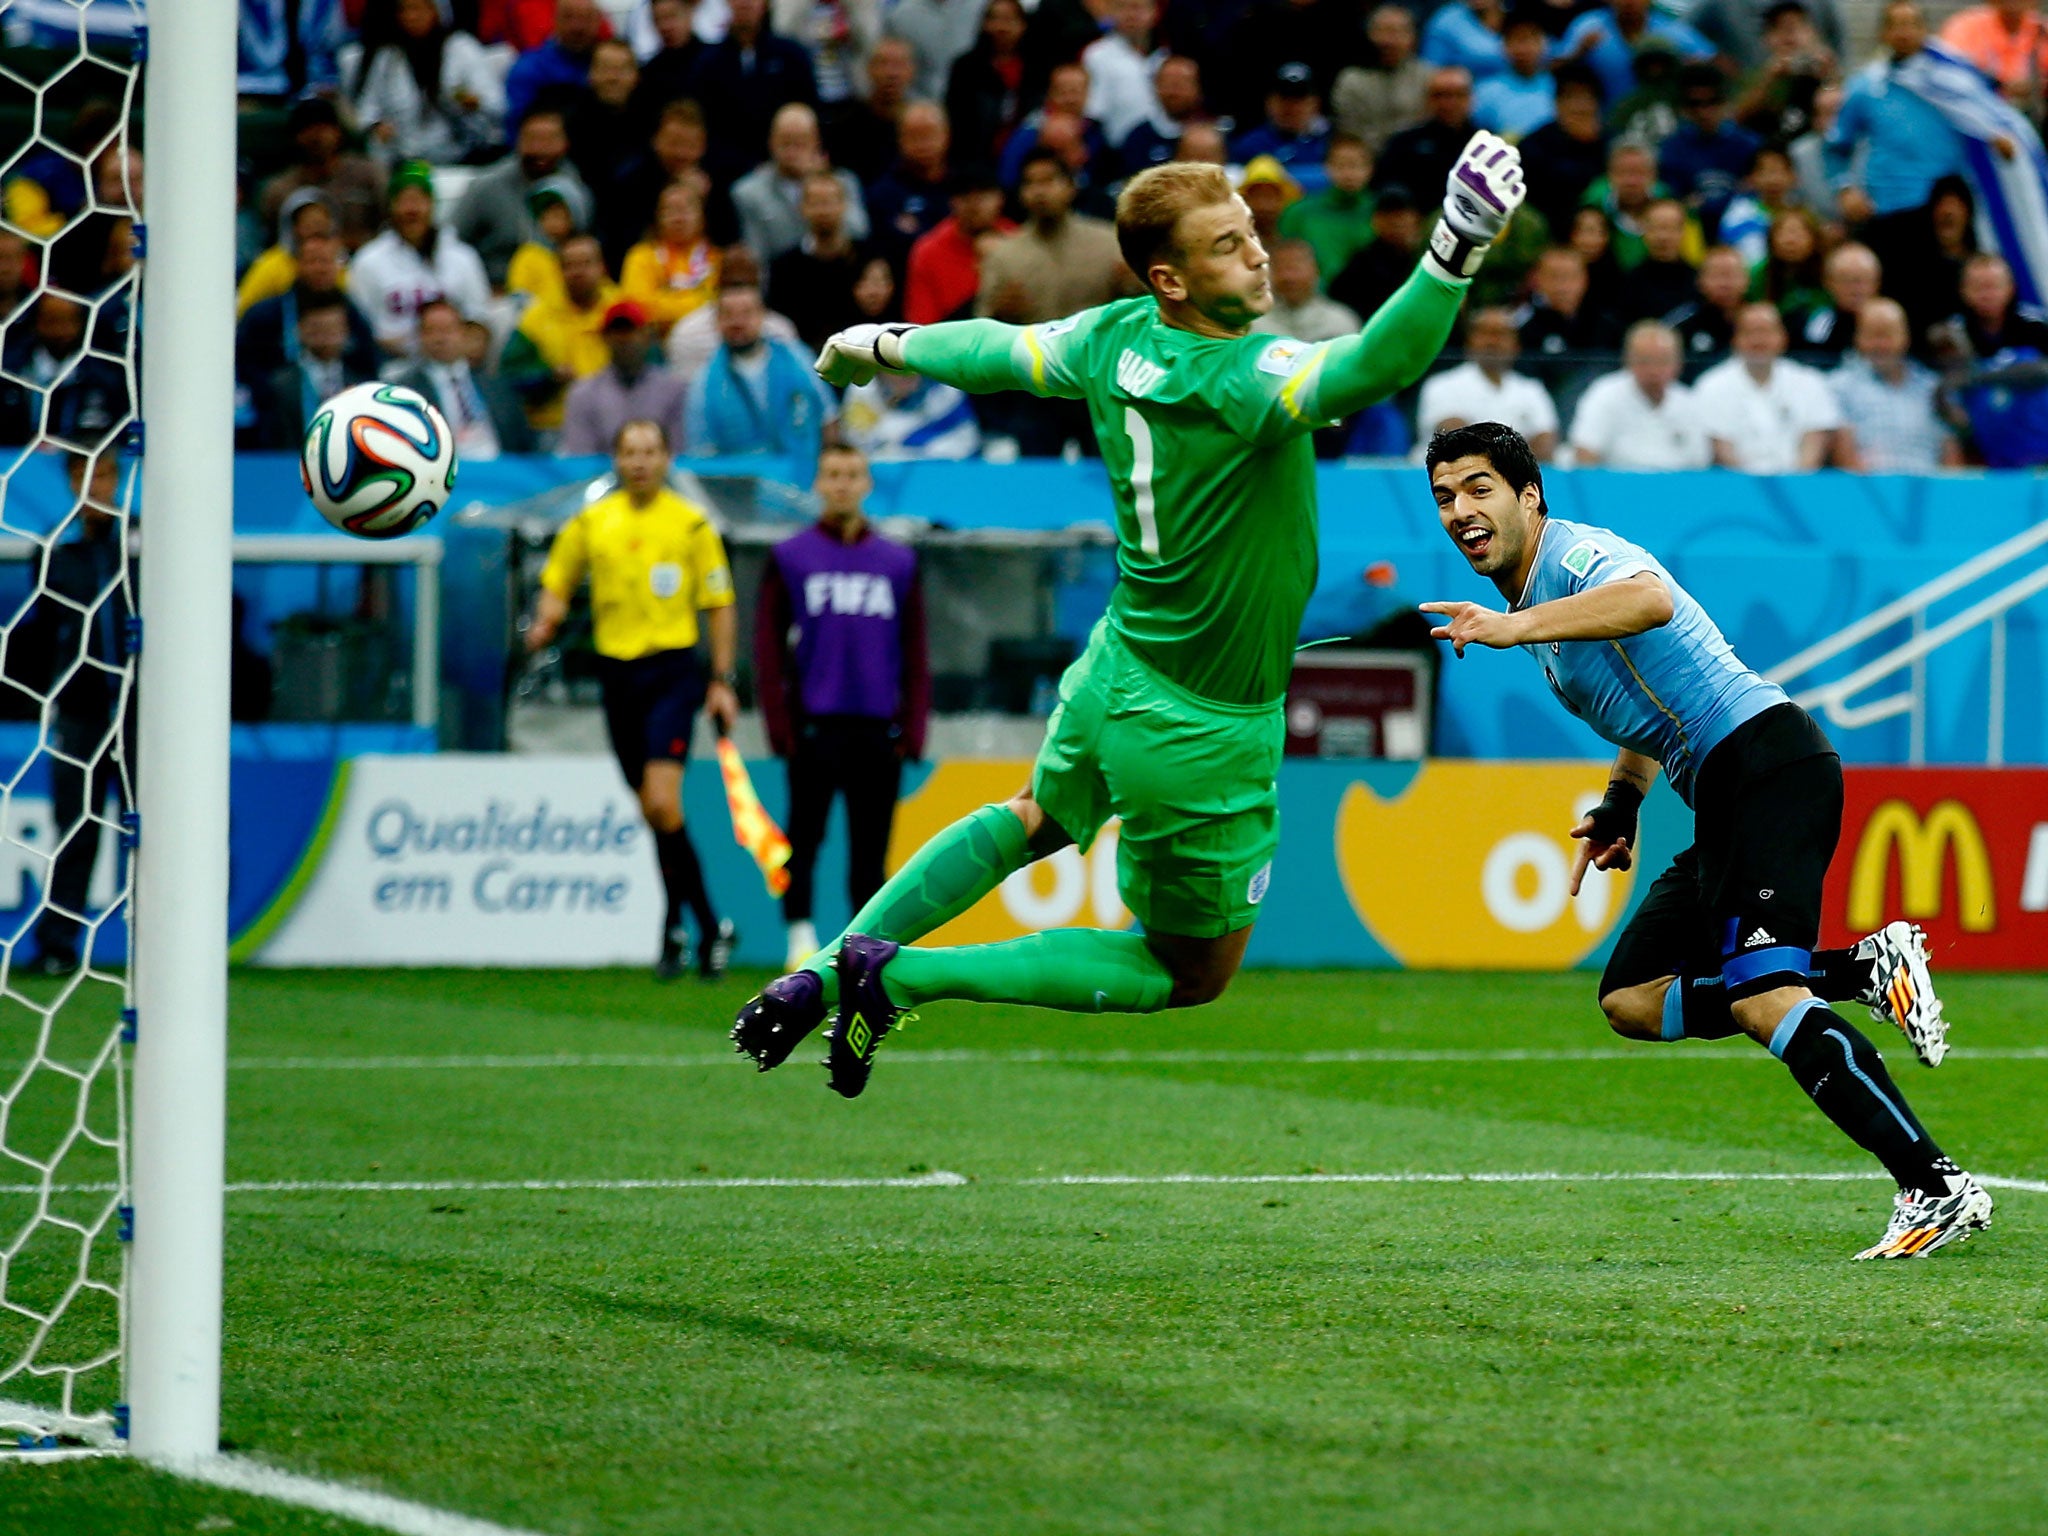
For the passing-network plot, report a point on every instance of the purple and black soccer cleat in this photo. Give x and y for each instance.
(775, 1022)
(866, 1015)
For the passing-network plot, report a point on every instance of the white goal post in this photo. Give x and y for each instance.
(181, 872)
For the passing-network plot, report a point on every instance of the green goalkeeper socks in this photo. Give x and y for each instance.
(1080, 970)
(943, 879)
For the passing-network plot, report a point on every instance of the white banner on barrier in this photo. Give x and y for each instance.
(478, 859)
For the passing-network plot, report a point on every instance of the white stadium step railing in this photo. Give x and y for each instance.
(422, 553)
(1835, 698)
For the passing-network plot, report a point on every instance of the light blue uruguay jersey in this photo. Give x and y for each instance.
(1672, 693)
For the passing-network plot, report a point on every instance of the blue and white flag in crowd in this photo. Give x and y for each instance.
(2002, 155)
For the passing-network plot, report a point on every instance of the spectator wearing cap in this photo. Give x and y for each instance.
(1467, 35)
(757, 394)
(1891, 422)
(1523, 97)
(1607, 40)
(559, 65)
(814, 283)
(1420, 158)
(560, 208)
(1299, 308)
(632, 386)
(1058, 263)
(769, 198)
(692, 339)
(861, 134)
(1764, 413)
(1337, 221)
(1269, 192)
(675, 270)
(1295, 131)
(744, 81)
(412, 263)
(1384, 94)
(494, 215)
(560, 337)
(1640, 416)
(1178, 87)
(1121, 65)
(352, 182)
(1370, 278)
(1566, 155)
(1485, 387)
(431, 93)
(307, 212)
(1706, 157)
(610, 119)
(1851, 278)
(944, 272)
(484, 413)
(911, 199)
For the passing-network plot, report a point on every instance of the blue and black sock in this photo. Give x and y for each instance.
(1842, 1072)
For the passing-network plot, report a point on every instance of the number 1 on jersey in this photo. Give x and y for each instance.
(1141, 480)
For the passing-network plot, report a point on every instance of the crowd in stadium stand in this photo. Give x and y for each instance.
(1740, 247)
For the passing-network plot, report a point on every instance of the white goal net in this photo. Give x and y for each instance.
(69, 242)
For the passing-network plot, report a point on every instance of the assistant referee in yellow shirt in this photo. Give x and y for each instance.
(655, 564)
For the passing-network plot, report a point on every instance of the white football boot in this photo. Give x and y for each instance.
(1901, 989)
(1923, 1221)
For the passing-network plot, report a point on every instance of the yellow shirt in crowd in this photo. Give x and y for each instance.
(651, 569)
(567, 337)
(536, 270)
(670, 281)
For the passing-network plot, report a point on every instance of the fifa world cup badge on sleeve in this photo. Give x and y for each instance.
(1580, 558)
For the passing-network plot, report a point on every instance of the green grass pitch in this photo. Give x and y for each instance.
(1009, 1355)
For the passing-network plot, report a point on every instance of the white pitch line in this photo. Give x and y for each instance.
(380, 1511)
(969, 1057)
(943, 1179)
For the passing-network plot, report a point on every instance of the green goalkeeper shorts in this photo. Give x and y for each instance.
(1192, 779)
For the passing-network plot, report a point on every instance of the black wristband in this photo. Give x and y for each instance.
(1615, 817)
(730, 679)
(1454, 255)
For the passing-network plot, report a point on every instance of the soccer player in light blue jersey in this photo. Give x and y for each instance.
(1724, 942)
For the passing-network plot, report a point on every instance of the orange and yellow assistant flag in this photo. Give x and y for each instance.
(752, 827)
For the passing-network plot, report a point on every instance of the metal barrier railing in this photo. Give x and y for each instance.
(423, 554)
(1833, 698)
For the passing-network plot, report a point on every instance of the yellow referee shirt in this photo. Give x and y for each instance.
(651, 569)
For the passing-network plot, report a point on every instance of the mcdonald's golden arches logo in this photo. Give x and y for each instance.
(1924, 846)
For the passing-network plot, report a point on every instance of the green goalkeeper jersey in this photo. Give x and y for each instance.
(1206, 441)
(1213, 475)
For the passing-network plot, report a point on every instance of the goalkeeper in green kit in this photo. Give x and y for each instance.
(1172, 718)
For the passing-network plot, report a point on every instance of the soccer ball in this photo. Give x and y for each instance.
(378, 461)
